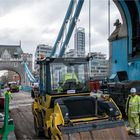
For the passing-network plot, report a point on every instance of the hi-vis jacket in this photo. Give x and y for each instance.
(70, 76)
(132, 106)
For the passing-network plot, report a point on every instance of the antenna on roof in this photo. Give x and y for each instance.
(89, 27)
(89, 37)
(20, 43)
(108, 18)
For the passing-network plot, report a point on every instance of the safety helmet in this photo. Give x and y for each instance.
(133, 90)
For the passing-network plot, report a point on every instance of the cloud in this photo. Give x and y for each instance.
(39, 21)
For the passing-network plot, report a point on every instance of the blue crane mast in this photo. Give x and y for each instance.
(61, 32)
(70, 28)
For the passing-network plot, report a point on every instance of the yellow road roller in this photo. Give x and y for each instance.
(64, 108)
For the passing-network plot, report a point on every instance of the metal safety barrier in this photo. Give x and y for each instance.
(8, 125)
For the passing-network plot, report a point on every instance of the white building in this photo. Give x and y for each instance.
(79, 44)
(42, 51)
(73, 53)
(99, 65)
(79, 41)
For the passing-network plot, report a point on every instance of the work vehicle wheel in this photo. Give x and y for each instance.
(39, 128)
(49, 133)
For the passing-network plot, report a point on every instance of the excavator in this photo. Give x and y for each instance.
(64, 108)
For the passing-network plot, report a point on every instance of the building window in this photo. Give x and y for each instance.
(15, 64)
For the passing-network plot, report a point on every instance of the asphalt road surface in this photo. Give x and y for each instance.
(20, 111)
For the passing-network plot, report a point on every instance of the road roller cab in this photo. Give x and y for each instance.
(64, 107)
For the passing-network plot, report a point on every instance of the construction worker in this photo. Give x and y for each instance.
(60, 89)
(70, 75)
(132, 111)
(9, 93)
(68, 79)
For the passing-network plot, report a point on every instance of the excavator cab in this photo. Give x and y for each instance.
(64, 107)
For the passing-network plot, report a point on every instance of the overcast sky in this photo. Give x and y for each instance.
(39, 21)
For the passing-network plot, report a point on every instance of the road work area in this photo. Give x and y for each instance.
(21, 113)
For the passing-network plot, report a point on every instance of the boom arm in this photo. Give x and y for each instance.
(61, 32)
(71, 27)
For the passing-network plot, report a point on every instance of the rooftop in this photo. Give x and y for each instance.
(12, 49)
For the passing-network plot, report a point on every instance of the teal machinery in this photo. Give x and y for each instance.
(125, 40)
